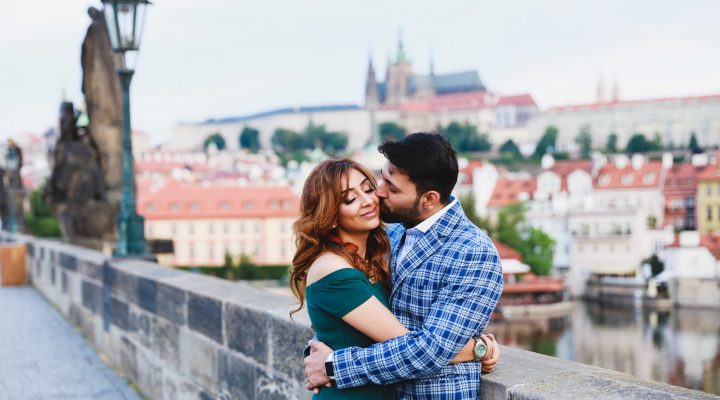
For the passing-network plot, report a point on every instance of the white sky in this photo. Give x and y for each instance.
(218, 58)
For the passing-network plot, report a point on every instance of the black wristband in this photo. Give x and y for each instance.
(329, 370)
(306, 351)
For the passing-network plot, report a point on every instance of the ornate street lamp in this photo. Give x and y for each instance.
(12, 166)
(124, 20)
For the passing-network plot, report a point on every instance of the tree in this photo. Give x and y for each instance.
(638, 143)
(510, 148)
(584, 141)
(694, 146)
(391, 131)
(329, 142)
(536, 246)
(250, 139)
(465, 138)
(656, 144)
(611, 146)
(40, 221)
(547, 142)
(284, 140)
(217, 139)
(468, 205)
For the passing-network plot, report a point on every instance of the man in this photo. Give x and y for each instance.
(446, 281)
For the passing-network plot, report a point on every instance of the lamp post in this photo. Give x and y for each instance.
(124, 20)
(12, 165)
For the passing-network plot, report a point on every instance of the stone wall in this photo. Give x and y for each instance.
(179, 335)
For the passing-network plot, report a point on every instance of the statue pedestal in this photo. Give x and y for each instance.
(12, 264)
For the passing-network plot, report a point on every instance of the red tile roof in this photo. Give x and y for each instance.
(612, 177)
(176, 200)
(466, 174)
(710, 173)
(167, 166)
(613, 104)
(507, 191)
(517, 100)
(712, 242)
(566, 167)
(506, 252)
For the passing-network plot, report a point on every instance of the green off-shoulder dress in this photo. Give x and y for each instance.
(328, 300)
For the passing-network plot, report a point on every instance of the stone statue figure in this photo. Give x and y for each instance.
(75, 190)
(102, 91)
(85, 187)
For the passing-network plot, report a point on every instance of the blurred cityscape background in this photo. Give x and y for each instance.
(588, 135)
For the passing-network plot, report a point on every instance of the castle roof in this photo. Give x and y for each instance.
(280, 111)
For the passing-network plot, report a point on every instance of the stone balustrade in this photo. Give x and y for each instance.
(179, 335)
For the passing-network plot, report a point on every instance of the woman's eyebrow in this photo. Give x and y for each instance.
(352, 188)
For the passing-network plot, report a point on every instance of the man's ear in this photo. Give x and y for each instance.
(430, 199)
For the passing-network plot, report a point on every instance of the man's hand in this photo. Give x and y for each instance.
(315, 366)
(489, 361)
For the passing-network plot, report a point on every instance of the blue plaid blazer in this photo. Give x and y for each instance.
(444, 292)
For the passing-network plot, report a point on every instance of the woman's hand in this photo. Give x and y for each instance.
(489, 361)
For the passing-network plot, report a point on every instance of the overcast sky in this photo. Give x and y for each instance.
(216, 58)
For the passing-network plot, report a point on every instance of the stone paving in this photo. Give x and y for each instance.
(42, 357)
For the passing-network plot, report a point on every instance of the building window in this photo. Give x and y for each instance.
(241, 227)
(627, 179)
(173, 229)
(249, 205)
(648, 178)
(226, 228)
(211, 228)
(708, 189)
(257, 227)
(194, 206)
(191, 251)
(211, 251)
(191, 229)
(604, 180)
(224, 205)
(709, 213)
(174, 206)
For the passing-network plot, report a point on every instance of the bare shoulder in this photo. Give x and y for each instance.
(324, 265)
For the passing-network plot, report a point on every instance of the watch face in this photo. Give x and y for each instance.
(480, 349)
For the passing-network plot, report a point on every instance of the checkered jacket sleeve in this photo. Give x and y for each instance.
(471, 286)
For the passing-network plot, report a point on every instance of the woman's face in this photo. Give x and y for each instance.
(359, 210)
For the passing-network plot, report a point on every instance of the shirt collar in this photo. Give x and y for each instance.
(430, 221)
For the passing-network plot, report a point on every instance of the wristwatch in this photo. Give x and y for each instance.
(479, 350)
(329, 371)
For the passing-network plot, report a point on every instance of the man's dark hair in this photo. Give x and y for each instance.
(427, 159)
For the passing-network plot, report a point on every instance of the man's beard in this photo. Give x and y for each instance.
(409, 216)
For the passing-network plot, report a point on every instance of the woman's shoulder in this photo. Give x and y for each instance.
(325, 265)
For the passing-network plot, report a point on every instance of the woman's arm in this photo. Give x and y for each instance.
(374, 320)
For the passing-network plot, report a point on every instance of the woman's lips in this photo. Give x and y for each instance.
(370, 214)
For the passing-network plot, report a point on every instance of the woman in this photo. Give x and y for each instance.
(341, 266)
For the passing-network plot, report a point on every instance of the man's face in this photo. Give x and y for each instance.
(399, 200)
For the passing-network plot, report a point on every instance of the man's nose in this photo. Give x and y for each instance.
(381, 191)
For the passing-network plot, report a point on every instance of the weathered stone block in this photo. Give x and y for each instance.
(150, 374)
(237, 376)
(119, 314)
(171, 303)
(64, 282)
(122, 285)
(274, 387)
(199, 359)
(52, 276)
(246, 331)
(92, 297)
(205, 316)
(147, 294)
(68, 261)
(91, 270)
(128, 358)
(288, 341)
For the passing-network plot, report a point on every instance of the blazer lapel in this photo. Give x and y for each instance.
(421, 250)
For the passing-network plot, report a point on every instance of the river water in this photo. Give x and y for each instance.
(678, 346)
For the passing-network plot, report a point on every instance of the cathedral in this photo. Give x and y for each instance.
(401, 85)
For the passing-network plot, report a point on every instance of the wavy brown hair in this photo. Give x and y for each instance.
(314, 233)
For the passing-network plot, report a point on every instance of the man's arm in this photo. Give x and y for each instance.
(470, 290)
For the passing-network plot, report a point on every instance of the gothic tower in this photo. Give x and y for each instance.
(372, 94)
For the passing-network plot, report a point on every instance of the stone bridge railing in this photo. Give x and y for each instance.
(179, 335)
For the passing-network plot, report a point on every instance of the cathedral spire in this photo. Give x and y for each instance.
(372, 94)
(401, 58)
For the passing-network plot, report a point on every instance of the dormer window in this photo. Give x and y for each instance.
(648, 178)
(604, 180)
(627, 179)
